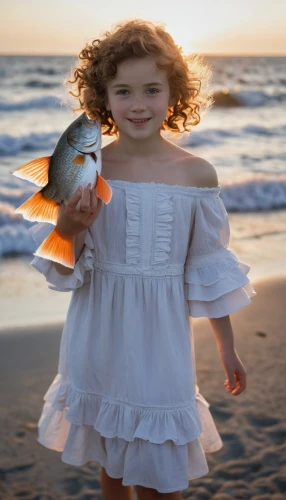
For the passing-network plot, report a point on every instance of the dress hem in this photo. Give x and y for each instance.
(114, 419)
(101, 463)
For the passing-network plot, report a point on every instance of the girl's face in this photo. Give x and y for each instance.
(139, 91)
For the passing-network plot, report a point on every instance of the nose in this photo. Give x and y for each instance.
(138, 105)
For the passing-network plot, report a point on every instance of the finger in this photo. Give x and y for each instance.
(230, 387)
(75, 198)
(231, 383)
(227, 386)
(92, 217)
(240, 388)
(93, 201)
(77, 207)
(85, 200)
(237, 391)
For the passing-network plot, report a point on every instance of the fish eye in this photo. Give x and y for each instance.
(79, 124)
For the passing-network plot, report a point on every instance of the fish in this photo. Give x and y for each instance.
(75, 161)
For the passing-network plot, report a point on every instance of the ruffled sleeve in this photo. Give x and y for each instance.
(82, 269)
(216, 281)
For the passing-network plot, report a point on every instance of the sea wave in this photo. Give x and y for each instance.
(250, 196)
(14, 232)
(41, 84)
(215, 136)
(246, 98)
(43, 102)
(11, 145)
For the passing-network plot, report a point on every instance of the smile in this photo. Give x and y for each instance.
(139, 120)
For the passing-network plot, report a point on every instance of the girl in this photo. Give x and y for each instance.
(125, 394)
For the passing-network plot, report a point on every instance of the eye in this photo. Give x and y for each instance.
(156, 90)
(119, 92)
(122, 90)
(79, 124)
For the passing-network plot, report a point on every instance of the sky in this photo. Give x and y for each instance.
(63, 27)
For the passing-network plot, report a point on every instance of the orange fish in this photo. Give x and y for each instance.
(76, 161)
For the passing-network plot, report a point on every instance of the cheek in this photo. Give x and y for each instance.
(118, 106)
(159, 107)
(161, 102)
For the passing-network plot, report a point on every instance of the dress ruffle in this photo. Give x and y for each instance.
(82, 268)
(163, 228)
(137, 462)
(217, 284)
(181, 425)
(132, 228)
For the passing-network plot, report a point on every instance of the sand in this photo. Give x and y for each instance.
(252, 462)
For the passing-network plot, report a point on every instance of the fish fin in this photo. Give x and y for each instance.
(38, 208)
(103, 190)
(78, 160)
(58, 249)
(36, 171)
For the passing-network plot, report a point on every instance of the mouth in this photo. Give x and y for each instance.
(81, 144)
(138, 120)
(90, 145)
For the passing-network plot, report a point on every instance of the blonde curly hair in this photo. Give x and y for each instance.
(188, 76)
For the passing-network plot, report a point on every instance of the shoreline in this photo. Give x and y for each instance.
(257, 239)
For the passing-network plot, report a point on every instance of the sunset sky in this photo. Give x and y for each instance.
(221, 26)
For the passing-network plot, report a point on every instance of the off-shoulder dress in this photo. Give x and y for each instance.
(126, 394)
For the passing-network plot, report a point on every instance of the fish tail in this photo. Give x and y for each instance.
(57, 248)
(38, 208)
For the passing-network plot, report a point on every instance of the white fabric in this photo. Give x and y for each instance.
(126, 394)
(216, 281)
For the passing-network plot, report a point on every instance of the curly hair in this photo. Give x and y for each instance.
(188, 76)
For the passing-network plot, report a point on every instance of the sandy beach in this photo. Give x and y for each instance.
(252, 462)
(242, 134)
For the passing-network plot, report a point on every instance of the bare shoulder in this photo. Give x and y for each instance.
(200, 172)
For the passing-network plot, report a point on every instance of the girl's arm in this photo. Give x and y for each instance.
(223, 333)
(216, 281)
(234, 369)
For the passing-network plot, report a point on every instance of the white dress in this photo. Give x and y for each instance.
(126, 394)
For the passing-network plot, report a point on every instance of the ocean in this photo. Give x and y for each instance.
(243, 135)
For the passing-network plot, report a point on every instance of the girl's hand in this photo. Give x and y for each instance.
(235, 371)
(79, 212)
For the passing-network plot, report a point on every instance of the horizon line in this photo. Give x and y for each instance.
(217, 54)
